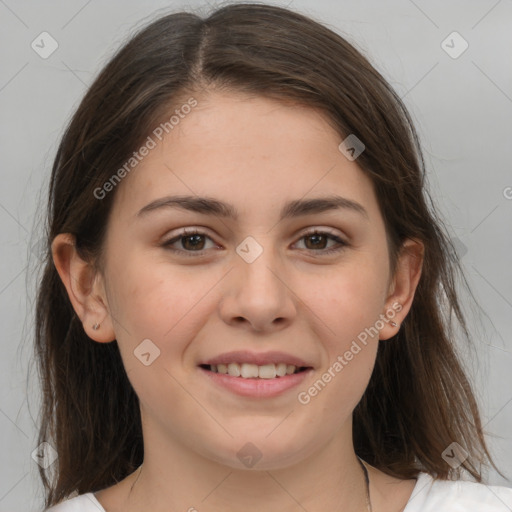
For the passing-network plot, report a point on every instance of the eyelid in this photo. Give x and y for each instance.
(322, 230)
(341, 241)
(201, 231)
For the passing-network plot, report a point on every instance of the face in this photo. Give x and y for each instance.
(256, 283)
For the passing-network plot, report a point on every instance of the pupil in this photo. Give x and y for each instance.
(194, 244)
(316, 237)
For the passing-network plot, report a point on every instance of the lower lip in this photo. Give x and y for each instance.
(258, 388)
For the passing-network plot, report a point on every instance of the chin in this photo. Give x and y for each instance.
(259, 451)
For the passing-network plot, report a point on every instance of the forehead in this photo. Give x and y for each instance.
(248, 150)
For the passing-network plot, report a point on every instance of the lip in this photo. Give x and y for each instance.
(255, 387)
(260, 359)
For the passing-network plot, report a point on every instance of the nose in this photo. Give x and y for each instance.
(257, 295)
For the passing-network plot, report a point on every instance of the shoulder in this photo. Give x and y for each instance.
(82, 503)
(430, 495)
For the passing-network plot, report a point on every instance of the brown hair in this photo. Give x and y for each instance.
(419, 399)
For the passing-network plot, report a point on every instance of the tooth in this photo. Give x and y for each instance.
(267, 371)
(249, 370)
(234, 369)
(281, 369)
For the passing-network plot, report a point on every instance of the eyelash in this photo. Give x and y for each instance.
(187, 233)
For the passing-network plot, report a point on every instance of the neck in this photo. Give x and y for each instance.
(174, 477)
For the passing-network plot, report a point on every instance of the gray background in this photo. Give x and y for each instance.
(462, 108)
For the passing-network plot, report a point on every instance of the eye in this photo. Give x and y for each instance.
(192, 245)
(319, 238)
(190, 241)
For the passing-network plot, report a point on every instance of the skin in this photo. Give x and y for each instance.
(255, 154)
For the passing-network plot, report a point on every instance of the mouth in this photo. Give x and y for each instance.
(255, 375)
(254, 371)
(249, 374)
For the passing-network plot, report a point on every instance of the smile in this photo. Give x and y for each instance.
(253, 371)
(244, 382)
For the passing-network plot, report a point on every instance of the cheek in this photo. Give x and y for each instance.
(161, 302)
(348, 305)
(352, 296)
(150, 293)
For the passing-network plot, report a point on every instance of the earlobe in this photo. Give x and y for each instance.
(84, 287)
(403, 286)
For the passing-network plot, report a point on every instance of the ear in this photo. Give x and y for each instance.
(85, 288)
(403, 286)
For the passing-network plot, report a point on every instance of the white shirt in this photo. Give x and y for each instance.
(428, 495)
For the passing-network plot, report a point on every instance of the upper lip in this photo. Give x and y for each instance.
(260, 359)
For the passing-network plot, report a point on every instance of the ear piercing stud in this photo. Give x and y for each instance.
(394, 324)
(96, 327)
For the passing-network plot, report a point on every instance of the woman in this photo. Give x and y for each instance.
(249, 299)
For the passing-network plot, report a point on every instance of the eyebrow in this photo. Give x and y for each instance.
(295, 208)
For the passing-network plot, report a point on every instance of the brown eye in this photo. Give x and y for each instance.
(194, 242)
(191, 242)
(318, 241)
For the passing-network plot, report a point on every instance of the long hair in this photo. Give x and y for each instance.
(419, 399)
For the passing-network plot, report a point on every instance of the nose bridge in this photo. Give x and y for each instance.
(260, 294)
(258, 267)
